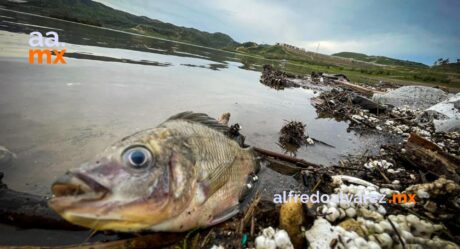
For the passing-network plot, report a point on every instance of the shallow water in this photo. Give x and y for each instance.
(55, 117)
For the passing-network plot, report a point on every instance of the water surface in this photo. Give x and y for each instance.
(55, 117)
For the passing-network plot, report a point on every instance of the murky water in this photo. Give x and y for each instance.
(54, 117)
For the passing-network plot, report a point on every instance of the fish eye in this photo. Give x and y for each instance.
(137, 157)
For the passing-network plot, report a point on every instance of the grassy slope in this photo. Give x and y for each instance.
(382, 60)
(94, 13)
(451, 68)
(397, 71)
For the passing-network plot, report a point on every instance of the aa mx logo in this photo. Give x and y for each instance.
(51, 43)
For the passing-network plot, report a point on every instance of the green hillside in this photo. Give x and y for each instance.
(450, 67)
(382, 60)
(94, 13)
(359, 68)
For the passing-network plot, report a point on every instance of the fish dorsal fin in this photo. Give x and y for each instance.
(201, 118)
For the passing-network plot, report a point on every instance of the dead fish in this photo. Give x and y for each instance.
(183, 174)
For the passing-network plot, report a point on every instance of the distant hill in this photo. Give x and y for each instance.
(357, 67)
(286, 52)
(379, 59)
(450, 67)
(94, 13)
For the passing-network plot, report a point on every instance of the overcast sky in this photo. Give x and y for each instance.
(419, 30)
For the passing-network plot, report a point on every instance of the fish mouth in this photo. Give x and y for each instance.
(83, 201)
(77, 187)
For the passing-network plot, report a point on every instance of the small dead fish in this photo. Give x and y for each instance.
(183, 174)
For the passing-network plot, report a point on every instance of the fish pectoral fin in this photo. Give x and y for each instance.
(247, 196)
(225, 215)
(215, 179)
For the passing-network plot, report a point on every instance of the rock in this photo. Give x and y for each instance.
(2, 185)
(352, 225)
(282, 240)
(444, 115)
(265, 243)
(342, 77)
(321, 234)
(271, 239)
(440, 187)
(217, 247)
(368, 104)
(417, 97)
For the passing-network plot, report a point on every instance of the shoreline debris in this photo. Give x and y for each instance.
(425, 161)
(293, 133)
(276, 79)
(292, 137)
(400, 121)
(273, 239)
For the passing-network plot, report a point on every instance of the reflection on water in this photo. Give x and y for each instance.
(289, 149)
(212, 66)
(91, 36)
(112, 59)
(82, 34)
(54, 117)
(31, 25)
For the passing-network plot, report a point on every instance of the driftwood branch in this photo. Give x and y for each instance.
(294, 160)
(154, 240)
(357, 88)
(29, 211)
(32, 211)
(427, 156)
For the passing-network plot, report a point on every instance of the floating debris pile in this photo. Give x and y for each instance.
(276, 79)
(292, 137)
(336, 103)
(293, 132)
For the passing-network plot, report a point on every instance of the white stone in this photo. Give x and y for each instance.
(282, 240)
(321, 234)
